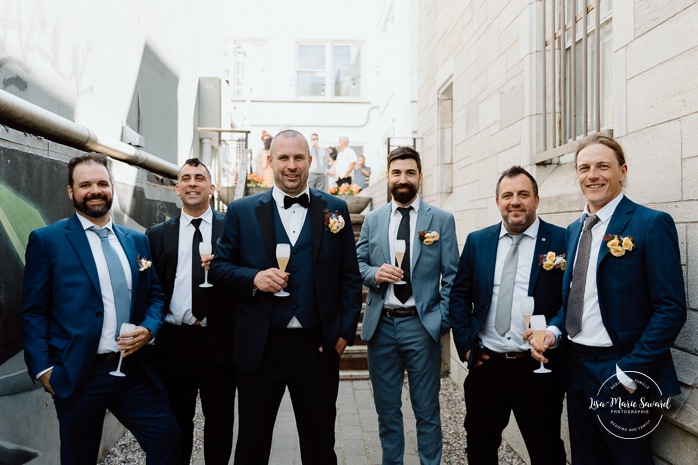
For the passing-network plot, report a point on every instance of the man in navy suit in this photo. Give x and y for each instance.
(84, 275)
(623, 306)
(294, 341)
(403, 323)
(194, 351)
(499, 266)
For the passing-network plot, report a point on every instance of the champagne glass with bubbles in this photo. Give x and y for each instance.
(205, 250)
(283, 254)
(526, 304)
(399, 255)
(125, 329)
(538, 326)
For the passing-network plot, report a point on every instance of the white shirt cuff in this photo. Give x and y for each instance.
(625, 379)
(42, 372)
(558, 334)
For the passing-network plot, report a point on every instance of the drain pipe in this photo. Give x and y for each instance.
(24, 116)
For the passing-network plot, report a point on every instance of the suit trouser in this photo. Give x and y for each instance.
(318, 181)
(291, 359)
(499, 386)
(401, 344)
(134, 400)
(588, 369)
(186, 367)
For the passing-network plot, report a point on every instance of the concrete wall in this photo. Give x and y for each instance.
(33, 194)
(106, 64)
(489, 51)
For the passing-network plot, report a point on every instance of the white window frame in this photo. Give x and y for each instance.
(329, 85)
(560, 74)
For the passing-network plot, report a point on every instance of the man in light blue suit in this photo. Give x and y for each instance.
(623, 304)
(83, 275)
(404, 322)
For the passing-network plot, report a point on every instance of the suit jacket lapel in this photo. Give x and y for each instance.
(616, 226)
(131, 256)
(424, 216)
(265, 218)
(217, 228)
(491, 244)
(542, 247)
(78, 238)
(384, 231)
(171, 250)
(317, 220)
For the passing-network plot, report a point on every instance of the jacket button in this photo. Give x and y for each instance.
(98, 314)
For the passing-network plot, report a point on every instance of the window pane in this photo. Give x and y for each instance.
(311, 57)
(347, 71)
(311, 84)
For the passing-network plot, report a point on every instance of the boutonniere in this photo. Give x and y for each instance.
(551, 260)
(618, 245)
(428, 237)
(143, 263)
(334, 221)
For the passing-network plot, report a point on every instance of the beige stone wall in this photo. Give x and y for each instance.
(488, 50)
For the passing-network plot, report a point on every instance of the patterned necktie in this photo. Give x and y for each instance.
(198, 296)
(502, 321)
(404, 291)
(575, 301)
(119, 286)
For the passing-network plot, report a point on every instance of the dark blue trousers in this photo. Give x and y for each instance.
(588, 369)
(135, 401)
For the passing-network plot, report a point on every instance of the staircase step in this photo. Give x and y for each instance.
(353, 375)
(354, 358)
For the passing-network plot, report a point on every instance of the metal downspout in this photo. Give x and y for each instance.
(24, 116)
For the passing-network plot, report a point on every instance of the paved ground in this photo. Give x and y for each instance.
(356, 430)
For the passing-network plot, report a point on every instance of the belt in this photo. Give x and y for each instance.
(399, 312)
(508, 355)
(108, 357)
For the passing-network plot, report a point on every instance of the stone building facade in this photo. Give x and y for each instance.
(489, 97)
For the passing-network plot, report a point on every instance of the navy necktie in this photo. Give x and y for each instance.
(198, 295)
(404, 291)
(119, 286)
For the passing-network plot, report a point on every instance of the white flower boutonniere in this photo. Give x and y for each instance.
(551, 261)
(143, 263)
(334, 221)
(428, 237)
(618, 245)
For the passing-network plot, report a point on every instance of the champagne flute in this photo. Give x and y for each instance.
(205, 249)
(125, 328)
(538, 326)
(526, 304)
(283, 253)
(399, 255)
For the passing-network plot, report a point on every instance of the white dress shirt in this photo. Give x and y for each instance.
(594, 333)
(180, 311)
(511, 341)
(395, 217)
(292, 220)
(107, 341)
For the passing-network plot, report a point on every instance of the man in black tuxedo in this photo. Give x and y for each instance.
(293, 341)
(194, 350)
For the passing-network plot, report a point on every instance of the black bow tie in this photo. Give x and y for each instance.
(301, 200)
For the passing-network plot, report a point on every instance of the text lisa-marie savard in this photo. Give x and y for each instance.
(619, 403)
